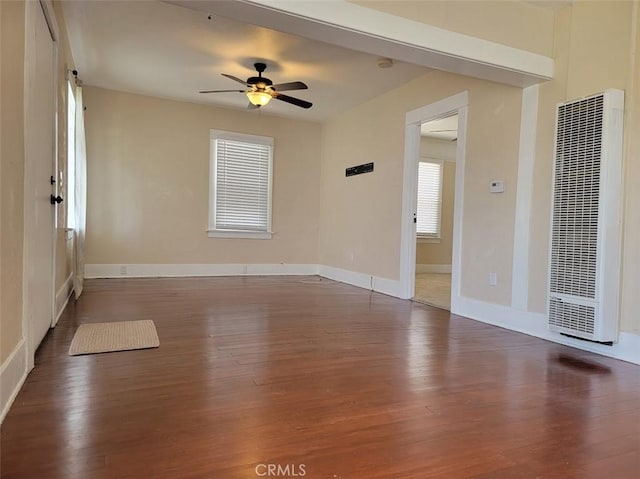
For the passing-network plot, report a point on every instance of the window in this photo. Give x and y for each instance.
(240, 185)
(429, 199)
(71, 157)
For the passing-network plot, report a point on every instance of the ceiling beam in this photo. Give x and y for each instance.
(370, 31)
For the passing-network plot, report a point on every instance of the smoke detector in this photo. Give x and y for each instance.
(385, 62)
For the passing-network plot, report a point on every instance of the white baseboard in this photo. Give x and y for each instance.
(390, 287)
(185, 270)
(62, 297)
(433, 268)
(13, 372)
(375, 283)
(535, 324)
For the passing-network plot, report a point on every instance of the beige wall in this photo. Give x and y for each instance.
(148, 166)
(593, 50)
(11, 173)
(441, 252)
(360, 216)
(513, 23)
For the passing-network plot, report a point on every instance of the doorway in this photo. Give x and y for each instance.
(434, 213)
(40, 192)
(454, 106)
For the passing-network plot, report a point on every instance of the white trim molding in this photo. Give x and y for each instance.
(390, 287)
(62, 298)
(428, 240)
(239, 234)
(387, 286)
(186, 270)
(535, 324)
(456, 104)
(433, 268)
(50, 16)
(13, 373)
(524, 195)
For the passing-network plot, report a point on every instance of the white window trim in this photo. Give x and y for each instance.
(239, 234)
(434, 238)
(213, 232)
(421, 238)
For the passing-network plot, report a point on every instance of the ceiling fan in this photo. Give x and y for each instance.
(261, 90)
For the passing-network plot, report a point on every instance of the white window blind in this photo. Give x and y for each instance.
(429, 199)
(241, 184)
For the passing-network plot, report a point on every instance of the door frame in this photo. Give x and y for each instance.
(31, 12)
(456, 104)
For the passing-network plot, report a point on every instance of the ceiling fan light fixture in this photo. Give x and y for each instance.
(261, 89)
(258, 98)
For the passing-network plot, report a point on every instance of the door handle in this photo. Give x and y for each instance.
(56, 199)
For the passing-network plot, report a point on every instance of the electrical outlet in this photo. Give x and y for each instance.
(123, 270)
(493, 279)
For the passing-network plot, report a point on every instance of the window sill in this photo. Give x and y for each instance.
(239, 234)
(428, 239)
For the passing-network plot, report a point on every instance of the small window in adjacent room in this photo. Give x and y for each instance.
(71, 157)
(429, 199)
(240, 185)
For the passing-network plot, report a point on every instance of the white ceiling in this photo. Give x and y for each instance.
(444, 129)
(168, 51)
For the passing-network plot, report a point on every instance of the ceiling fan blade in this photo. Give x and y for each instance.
(293, 101)
(231, 77)
(294, 85)
(221, 91)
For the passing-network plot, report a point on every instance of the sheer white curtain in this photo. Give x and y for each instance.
(80, 194)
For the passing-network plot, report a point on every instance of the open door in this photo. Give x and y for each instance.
(40, 195)
(434, 213)
(447, 107)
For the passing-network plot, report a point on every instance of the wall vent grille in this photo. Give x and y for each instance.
(574, 242)
(571, 317)
(584, 272)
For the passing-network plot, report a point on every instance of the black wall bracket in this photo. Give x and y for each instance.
(358, 170)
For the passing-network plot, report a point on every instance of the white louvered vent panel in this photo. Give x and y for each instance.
(575, 205)
(572, 317)
(585, 227)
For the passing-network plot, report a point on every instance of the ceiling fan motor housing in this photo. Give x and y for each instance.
(259, 81)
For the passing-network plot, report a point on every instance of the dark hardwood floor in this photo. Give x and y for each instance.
(326, 380)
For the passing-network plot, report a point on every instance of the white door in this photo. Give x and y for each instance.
(39, 213)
